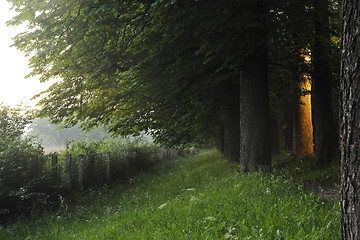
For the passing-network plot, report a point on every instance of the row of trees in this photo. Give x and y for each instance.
(177, 68)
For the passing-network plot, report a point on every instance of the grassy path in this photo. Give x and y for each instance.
(200, 197)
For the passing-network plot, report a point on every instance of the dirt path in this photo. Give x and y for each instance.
(322, 189)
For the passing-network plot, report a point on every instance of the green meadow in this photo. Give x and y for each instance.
(197, 197)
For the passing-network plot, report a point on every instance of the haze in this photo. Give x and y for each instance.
(14, 88)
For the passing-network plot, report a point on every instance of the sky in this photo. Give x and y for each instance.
(14, 88)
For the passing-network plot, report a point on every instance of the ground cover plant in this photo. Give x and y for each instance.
(306, 169)
(198, 197)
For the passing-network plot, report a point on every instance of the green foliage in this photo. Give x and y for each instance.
(26, 186)
(16, 154)
(135, 155)
(201, 197)
(127, 159)
(144, 65)
(163, 66)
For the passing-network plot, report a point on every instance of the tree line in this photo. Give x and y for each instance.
(194, 71)
(31, 178)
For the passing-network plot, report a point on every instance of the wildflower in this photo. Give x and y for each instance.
(210, 218)
(219, 204)
(193, 198)
(162, 206)
(229, 234)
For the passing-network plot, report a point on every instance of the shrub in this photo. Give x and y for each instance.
(18, 176)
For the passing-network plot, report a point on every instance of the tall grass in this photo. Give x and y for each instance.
(199, 197)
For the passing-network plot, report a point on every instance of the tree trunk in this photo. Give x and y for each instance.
(288, 130)
(219, 137)
(254, 114)
(303, 138)
(349, 121)
(254, 94)
(232, 134)
(275, 135)
(226, 152)
(324, 127)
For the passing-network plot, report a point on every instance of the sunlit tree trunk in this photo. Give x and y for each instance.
(325, 129)
(303, 138)
(349, 121)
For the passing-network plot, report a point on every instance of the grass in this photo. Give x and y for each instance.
(199, 197)
(304, 169)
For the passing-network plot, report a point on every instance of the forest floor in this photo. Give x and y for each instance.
(325, 190)
(322, 182)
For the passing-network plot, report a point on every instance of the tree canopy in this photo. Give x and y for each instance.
(137, 65)
(168, 67)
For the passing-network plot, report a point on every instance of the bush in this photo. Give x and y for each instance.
(18, 173)
(27, 177)
(126, 159)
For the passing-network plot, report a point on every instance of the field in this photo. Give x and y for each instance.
(198, 197)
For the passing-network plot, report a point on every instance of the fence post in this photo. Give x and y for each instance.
(55, 171)
(80, 170)
(108, 167)
(92, 169)
(68, 170)
(34, 166)
(160, 152)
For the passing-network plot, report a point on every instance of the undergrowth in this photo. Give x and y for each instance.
(305, 169)
(199, 197)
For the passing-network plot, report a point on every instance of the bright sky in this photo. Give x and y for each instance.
(14, 88)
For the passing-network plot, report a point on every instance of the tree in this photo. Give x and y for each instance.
(153, 69)
(290, 33)
(168, 67)
(349, 121)
(325, 137)
(298, 27)
(303, 129)
(254, 95)
(16, 152)
(137, 74)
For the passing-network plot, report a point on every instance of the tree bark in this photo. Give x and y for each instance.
(254, 94)
(324, 127)
(302, 126)
(232, 134)
(349, 121)
(275, 135)
(226, 152)
(219, 136)
(254, 114)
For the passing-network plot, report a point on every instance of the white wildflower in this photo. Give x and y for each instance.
(229, 234)
(193, 198)
(162, 206)
(210, 218)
